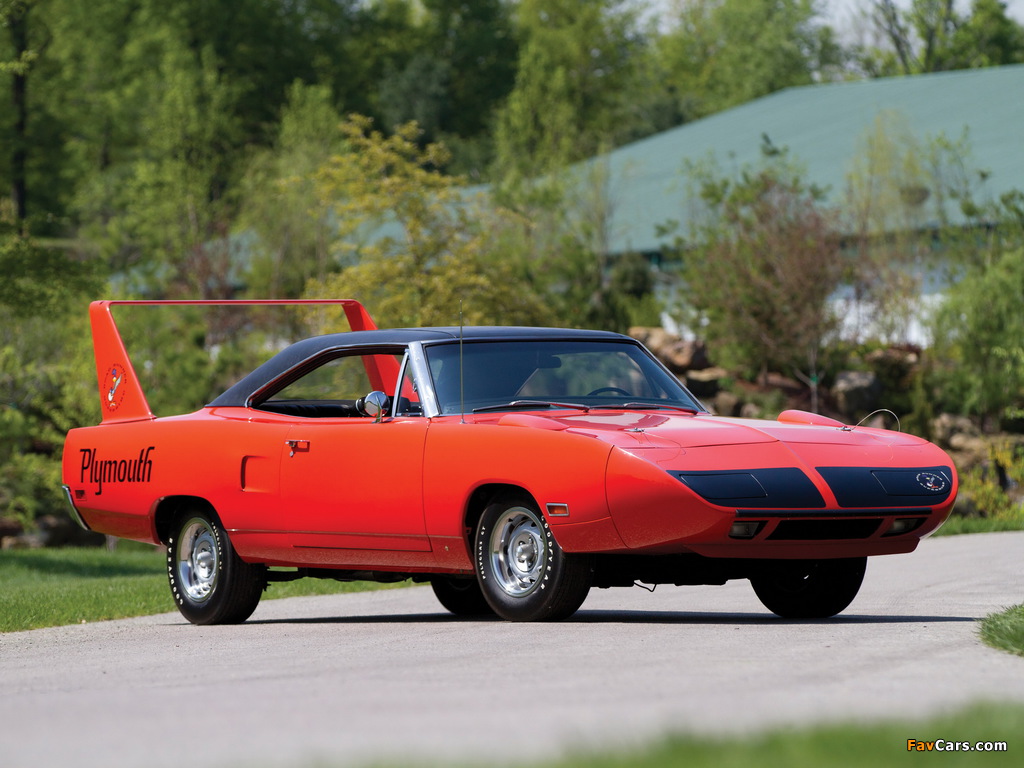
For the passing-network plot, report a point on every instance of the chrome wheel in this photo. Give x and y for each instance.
(518, 551)
(209, 582)
(197, 560)
(522, 572)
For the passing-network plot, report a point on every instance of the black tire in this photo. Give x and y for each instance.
(523, 573)
(210, 584)
(812, 589)
(461, 596)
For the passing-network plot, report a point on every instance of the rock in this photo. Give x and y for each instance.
(784, 383)
(899, 358)
(856, 392)
(644, 334)
(23, 541)
(751, 411)
(9, 527)
(704, 383)
(947, 427)
(726, 404)
(677, 354)
(61, 531)
(686, 356)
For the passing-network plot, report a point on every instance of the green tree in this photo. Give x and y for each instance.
(889, 197)
(721, 53)
(45, 368)
(898, 186)
(175, 208)
(32, 156)
(14, 16)
(577, 63)
(460, 65)
(987, 38)
(38, 281)
(96, 88)
(411, 246)
(932, 36)
(88, 87)
(760, 264)
(47, 386)
(285, 228)
(978, 335)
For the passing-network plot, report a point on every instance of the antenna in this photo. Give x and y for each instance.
(462, 389)
(899, 427)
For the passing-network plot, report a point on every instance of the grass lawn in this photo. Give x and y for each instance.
(875, 745)
(1005, 630)
(956, 524)
(51, 587)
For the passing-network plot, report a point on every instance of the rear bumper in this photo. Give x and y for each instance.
(75, 514)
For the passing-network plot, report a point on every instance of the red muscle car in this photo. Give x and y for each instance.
(512, 468)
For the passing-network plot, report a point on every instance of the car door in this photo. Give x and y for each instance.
(350, 482)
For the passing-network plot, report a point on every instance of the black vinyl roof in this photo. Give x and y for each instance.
(300, 351)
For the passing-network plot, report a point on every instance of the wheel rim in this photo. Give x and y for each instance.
(197, 560)
(518, 552)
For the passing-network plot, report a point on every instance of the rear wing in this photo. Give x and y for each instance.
(121, 395)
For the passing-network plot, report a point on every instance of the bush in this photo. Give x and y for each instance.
(992, 490)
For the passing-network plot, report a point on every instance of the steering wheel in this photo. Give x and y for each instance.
(615, 390)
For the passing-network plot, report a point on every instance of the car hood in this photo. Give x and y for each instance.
(647, 430)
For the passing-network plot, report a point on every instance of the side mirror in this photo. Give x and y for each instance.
(374, 404)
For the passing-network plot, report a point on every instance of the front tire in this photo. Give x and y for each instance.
(813, 589)
(523, 573)
(209, 582)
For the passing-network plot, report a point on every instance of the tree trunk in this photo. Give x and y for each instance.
(18, 24)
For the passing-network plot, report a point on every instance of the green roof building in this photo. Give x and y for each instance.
(824, 128)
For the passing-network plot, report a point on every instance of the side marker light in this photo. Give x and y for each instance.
(558, 510)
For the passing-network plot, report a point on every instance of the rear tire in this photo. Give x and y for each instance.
(811, 589)
(209, 582)
(461, 596)
(523, 573)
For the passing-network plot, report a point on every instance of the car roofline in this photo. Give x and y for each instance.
(314, 346)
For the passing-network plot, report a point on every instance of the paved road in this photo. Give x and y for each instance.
(353, 678)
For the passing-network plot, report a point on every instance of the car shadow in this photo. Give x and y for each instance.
(693, 617)
(623, 617)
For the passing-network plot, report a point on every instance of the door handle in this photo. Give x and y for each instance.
(297, 446)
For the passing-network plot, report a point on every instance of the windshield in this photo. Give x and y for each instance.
(590, 374)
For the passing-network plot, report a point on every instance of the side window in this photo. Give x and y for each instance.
(331, 389)
(343, 378)
(408, 401)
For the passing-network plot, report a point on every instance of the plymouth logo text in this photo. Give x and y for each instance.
(97, 470)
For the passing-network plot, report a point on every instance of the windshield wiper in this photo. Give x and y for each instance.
(516, 404)
(655, 406)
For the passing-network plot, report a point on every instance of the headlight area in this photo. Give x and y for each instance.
(761, 513)
(783, 504)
